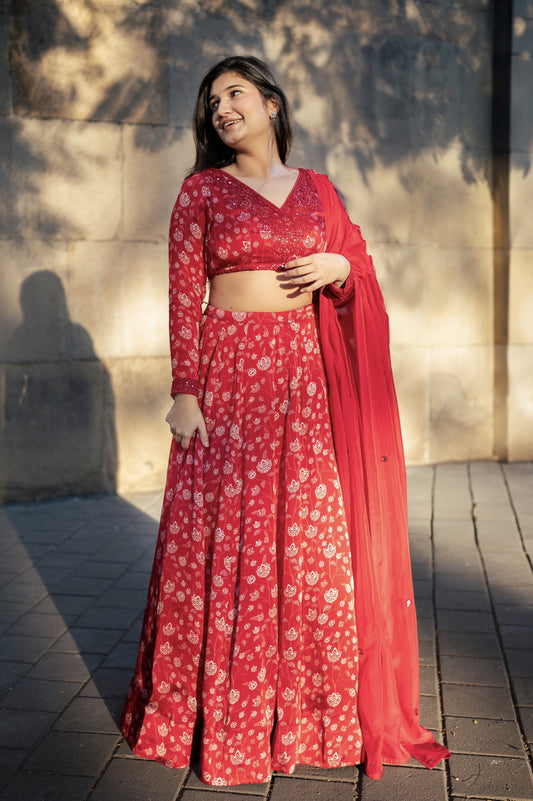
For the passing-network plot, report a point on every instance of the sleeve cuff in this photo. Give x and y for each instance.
(341, 295)
(185, 386)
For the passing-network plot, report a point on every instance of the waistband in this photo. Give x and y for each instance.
(265, 318)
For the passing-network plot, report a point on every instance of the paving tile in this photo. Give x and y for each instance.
(128, 598)
(192, 782)
(491, 777)
(428, 680)
(71, 753)
(107, 617)
(515, 615)
(42, 696)
(423, 589)
(62, 558)
(64, 604)
(83, 586)
(24, 649)
(426, 628)
(462, 643)
(91, 715)
(33, 624)
(405, 784)
(524, 691)
(23, 731)
(526, 716)
(39, 787)
(468, 621)
(24, 593)
(64, 667)
(87, 641)
(424, 608)
(512, 595)
(10, 673)
(459, 599)
(460, 582)
(230, 794)
(517, 637)
(421, 572)
(511, 573)
(467, 700)
(135, 580)
(472, 670)
(426, 652)
(290, 789)
(94, 569)
(429, 712)
(10, 761)
(138, 781)
(347, 774)
(133, 634)
(482, 736)
(124, 655)
(108, 683)
(520, 663)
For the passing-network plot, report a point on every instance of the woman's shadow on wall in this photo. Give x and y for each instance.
(59, 411)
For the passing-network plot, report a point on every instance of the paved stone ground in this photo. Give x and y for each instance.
(73, 578)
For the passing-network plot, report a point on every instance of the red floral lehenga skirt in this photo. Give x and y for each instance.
(249, 643)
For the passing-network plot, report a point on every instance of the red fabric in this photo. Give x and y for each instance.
(249, 631)
(368, 445)
(221, 225)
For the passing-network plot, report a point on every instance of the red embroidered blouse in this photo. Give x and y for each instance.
(221, 225)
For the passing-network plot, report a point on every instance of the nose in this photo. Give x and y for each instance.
(223, 107)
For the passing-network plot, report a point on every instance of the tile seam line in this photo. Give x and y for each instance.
(512, 692)
(437, 633)
(516, 516)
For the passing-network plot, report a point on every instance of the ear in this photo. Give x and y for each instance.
(272, 106)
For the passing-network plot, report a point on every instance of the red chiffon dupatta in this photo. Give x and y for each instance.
(368, 445)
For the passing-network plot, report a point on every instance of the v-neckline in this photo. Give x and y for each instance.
(258, 194)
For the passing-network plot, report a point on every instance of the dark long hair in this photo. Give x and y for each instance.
(210, 149)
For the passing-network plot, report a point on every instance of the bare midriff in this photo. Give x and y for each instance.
(255, 290)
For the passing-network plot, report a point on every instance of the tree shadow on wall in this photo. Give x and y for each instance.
(382, 79)
(59, 421)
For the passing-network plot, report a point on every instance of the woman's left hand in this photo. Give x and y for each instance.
(315, 271)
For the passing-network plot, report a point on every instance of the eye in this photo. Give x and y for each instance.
(235, 92)
(214, 105)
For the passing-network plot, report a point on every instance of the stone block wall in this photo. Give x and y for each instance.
(520, 349)
(392, 99)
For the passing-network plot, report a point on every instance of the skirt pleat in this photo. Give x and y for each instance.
(249, 641)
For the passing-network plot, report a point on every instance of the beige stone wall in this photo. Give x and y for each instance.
(391, 99)
(520, 351)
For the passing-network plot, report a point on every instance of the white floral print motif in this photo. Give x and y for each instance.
(252, 573)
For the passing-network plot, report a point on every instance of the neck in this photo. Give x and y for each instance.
(263, 163)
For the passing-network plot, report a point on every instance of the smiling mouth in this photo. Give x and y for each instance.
(229, 124)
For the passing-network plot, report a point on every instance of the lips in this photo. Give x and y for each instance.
(229, 124)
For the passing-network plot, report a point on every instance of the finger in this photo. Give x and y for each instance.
(202, 431)
(296, 262)
(300, 282)
(316, 285)
(294, 267)
(183, 441)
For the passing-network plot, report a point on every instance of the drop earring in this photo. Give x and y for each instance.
(273, 116)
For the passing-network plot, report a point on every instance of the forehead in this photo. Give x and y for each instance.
(226, 80)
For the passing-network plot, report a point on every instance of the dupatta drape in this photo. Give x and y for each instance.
(368, 445)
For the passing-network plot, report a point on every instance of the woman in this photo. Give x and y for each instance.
(280, 626)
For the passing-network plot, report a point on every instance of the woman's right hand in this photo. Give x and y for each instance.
(185, 418)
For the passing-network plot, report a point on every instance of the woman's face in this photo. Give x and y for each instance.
(239, 111)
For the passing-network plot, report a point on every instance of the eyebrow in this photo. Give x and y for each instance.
(227, 88)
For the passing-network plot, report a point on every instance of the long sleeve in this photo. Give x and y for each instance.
(187, 282)
(345, 237)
